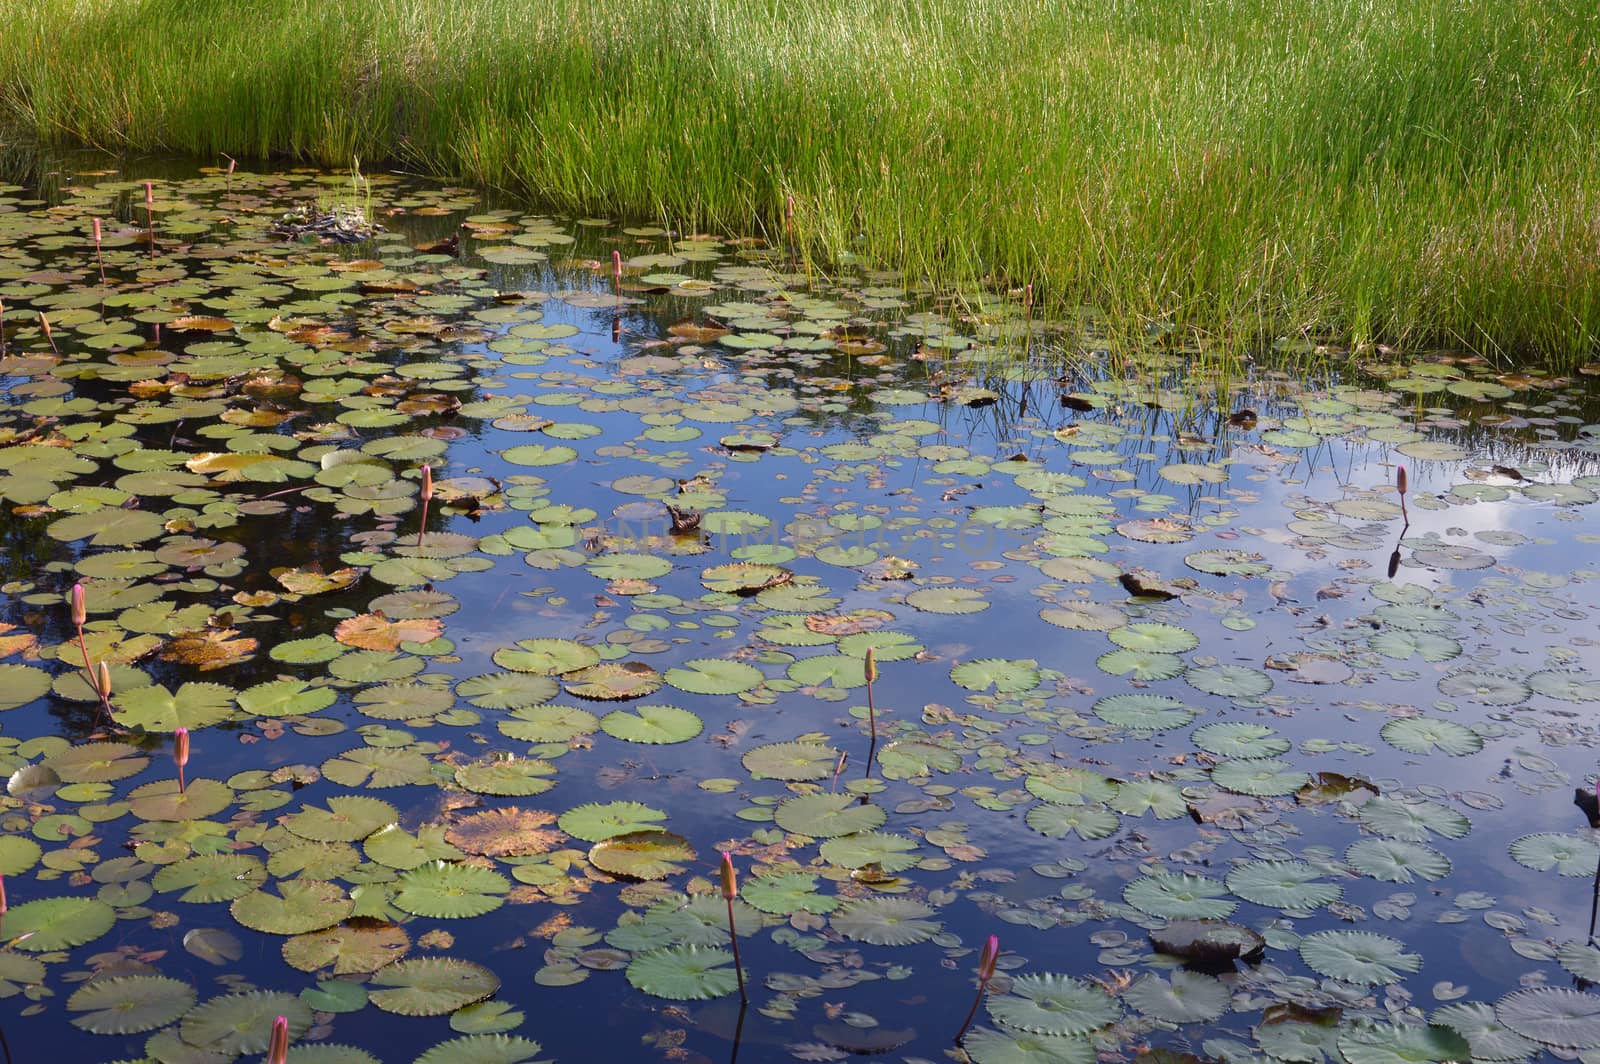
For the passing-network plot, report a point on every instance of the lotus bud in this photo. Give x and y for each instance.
(180, 755)
(616, 266)
(427, 483)
(871, 667)
(987, 959)
(1400, 479)
(97, 232)
(149, 194)
(80, 605)
(3, 905)
(278, 1046)
(102, 682)
(730, 884)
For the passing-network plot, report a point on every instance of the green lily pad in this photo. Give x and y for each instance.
(49, 924)
(684, 973)
(823, 816)
(886, 921)
(655, 725)
(431, 986)
(1358, 957)
(1053, 1005)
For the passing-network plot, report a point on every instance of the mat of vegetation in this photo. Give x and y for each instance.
(451, 605)
(1419, 174)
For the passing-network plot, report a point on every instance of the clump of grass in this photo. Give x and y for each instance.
(1235, 171)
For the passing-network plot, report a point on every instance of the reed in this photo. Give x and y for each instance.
(1227, 172)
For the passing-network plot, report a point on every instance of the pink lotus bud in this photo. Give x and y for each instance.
(180, 747)
(730, 885)
(102, 681)
(44, 323)
(149, 194)
(278, 1047)
(616, 266)
(871, 666)
(427, 483)
(3, 905)
(97, 231)
(987, 959)
(80, 605)
(1400, 479)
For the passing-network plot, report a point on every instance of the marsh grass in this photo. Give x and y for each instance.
(1242, 170)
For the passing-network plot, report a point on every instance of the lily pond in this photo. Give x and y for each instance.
(1239, 752)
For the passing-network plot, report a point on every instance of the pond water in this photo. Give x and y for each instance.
(1154, 642)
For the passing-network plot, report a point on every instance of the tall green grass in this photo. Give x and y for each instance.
(1416, 174)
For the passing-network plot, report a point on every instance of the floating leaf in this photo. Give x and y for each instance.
(684, 973)
(656, 725)
(1569, 855)
(1179, 897)
(1189, 997)
(823, 816)
(1358, 957)
(1552, 1016)
(1004, 675)
(791, 761)
(447, 891)
(1053, 1005)
(642, 854)
(504, 832)
(242, 1023)
(48, 924)
(129, 1004)
(596, 822)
(1393, 861)
(431, 986)
(714, 676)
(886, 921)
(301, 905)
(1282, 885)
(1424, 735)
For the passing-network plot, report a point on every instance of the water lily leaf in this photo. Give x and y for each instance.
(1071, 786)
(1488, 1038)
(211, 877)
(1485, 687)
(911, 758)
(234, 1024)
(1424, 735)
(1189, 997)
(1239, 739)
(311, 581)
(486, 1017)
(786, 894)
(871, 849)
(21, 684)
(1136, 798)
(213, 945)
(596, 822)
(1053, 1005)
(1566, 685)
(374, 631)
(301, 905)
(394, 847)
(988, 1046)
(110, 527)
(546, 657)
(549, 724)
(886, 921)
(367, 766)
(505, 832)
(348, 818)
(162, 800)
(486, 1048)
(1265, 777)
(448, 891)
(1392, 861)
(684, 973)
(49, 924)
(1282, 885)
(507, 690)
(129, 1004)
(1552, 1016)
(714, 676)
(18, 854)
(642, 854)
(96, 763)
(950, 601)
(791, 761)
(1358, 957)
(154, 708)
(508, 776)
(1569, 855)
(1088, 822)
(1154, 637)
(350, 949)
(1412, 822)
(1401, 1044)
(1144, 712)
(286, 698)
(1003, 675)
(823, 816)
(1179, 897)
(744, 578)
(613, 681)
(1228, 563)
(431, 986)
(656, 725)
(537, 454)
(1229, 681)
(1141, 665)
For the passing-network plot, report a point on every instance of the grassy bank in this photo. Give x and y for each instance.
(1418, 174)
